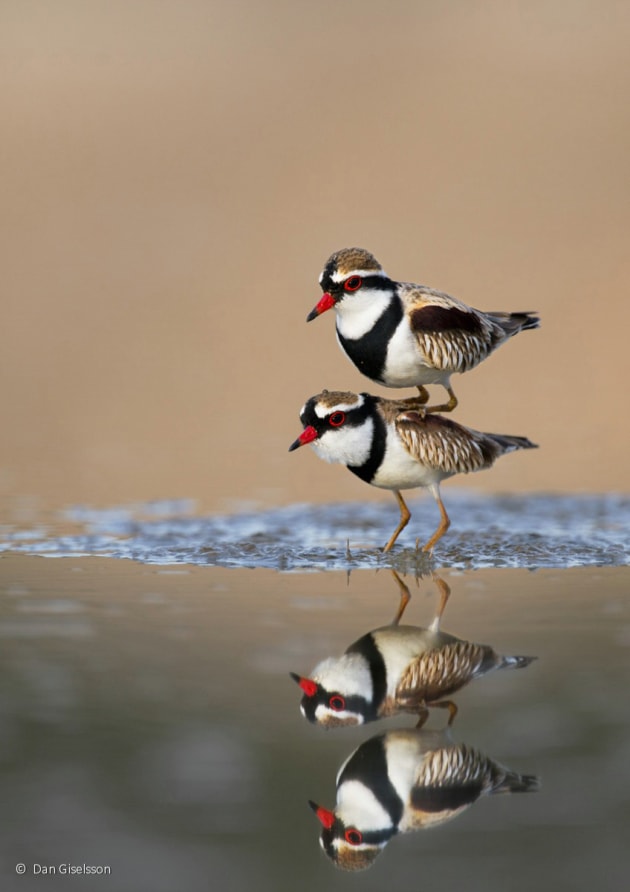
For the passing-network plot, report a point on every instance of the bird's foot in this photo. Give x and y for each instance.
(444, 407)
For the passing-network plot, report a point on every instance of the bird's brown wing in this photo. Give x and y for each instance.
(442, 444)
(439, 672)
(451, 778)
(452, 336)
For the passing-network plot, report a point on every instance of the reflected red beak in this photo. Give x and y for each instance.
(307, 436)
(325, 817)
(326, 302)
(307, 684)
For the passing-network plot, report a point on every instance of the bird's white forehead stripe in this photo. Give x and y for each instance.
(322, 410)
(339, 276)
(322, 712)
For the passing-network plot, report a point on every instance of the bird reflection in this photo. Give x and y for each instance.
(397, 669)
(406, 780)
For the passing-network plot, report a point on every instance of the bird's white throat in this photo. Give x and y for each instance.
(359, 312)
(348, 445)
(358, 805)
(348, 674)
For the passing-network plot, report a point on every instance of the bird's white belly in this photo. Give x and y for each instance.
(401, 645)
(405, 364)
(405, 754)
(399, 470)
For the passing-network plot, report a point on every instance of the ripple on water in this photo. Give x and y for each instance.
(506, 531)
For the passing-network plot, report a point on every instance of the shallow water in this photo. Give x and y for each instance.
(149, 723)
(511, 531)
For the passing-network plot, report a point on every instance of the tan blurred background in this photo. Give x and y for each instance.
(175, 174)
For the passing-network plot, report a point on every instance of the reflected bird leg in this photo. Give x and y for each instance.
(445, 407)
(404, 520)
(452, 709)
(445, 522)
(445, 593)
(405, 597)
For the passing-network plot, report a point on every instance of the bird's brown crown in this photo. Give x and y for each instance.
(350, 259)
(328, 399)
(348, 858)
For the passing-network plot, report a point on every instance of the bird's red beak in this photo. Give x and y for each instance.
(325, 817)
(307, 436)
(326, 302)
(307, 684)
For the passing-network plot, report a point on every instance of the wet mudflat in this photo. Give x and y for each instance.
(149, 724)
(529, 531)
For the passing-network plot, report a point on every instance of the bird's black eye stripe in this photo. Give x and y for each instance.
(336, 417)
(364, 282)
(368, 837)
(308, 416)
(354, 704)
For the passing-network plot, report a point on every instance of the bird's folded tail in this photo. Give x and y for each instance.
(508, 443)
(516, 662)
(518, 783)
(512, 323)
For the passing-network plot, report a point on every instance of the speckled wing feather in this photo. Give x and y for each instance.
(452, 336)
(441, 671)
(440, 443)
(449, 780)
(452, 778)
(457, 765)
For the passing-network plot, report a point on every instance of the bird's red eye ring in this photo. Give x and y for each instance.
(337, 419)
(337, 703)
(353, 836)
(353, 283)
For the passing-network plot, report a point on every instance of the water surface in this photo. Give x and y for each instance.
(149, 723)
(512, 531)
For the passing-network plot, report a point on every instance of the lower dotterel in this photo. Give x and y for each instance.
(392, 444)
